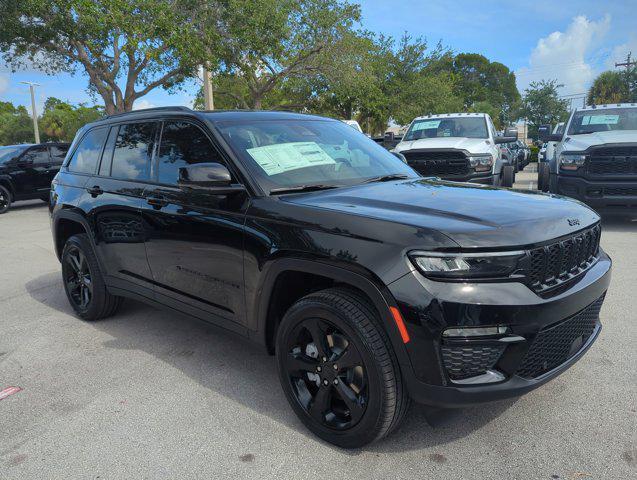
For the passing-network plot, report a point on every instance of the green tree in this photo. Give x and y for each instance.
(610, 87)
(61, 120)
(541, 104)
(126, 48)
(265, 45)
(16, 125)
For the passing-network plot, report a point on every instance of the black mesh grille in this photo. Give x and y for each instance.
(555, 344)
(444, 163)
(613, 161)
(468, 361)
(558, 262)
(620, 191)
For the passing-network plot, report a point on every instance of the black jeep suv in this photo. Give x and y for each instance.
(371, 285)
(26, 171)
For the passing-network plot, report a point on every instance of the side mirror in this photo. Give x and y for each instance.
(544, 132)
(499, 140)
(511, 132)
(209, 176)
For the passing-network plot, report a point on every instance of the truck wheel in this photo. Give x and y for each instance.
(83, 281)
(338, 370)
(5, 199)
(508, 176)
(543, 175)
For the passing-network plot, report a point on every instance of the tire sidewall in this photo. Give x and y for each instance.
(7, 194)
(82, 243)
(363, 431)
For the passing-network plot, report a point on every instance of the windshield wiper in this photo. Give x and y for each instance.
(302, 188)
(386, 178)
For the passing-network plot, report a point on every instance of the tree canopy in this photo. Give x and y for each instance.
(614, 87)
(541, 104)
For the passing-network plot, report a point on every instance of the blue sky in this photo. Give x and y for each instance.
(569, 40)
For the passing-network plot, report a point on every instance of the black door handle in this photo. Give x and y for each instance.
(95, 191)
(157, 202)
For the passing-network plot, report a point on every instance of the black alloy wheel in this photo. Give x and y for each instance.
(77, 278)
(5, 199)
(327, 374)
(338, 369)
(83, 281)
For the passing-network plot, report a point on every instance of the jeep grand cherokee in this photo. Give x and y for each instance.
(371, 284)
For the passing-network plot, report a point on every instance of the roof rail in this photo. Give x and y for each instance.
(180, 108)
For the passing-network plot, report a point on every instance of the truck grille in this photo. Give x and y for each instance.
(439, 163)
(561, 261)
(555, 344)
(469, 361)
(613, 161)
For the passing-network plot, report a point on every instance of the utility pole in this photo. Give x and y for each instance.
(33, 109)
(208, 97)
(628, 64)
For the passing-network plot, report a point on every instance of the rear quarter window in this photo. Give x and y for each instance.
(87, 154)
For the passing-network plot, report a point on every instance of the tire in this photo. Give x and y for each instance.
(508, 176)
(5, 199)
(83, 281)
(348, 406)
(543, 176)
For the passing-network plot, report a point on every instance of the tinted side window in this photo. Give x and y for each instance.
(87, 154)
(107, 157)
(37, 156)
(133, 151)
(182, 144)
(58, 152)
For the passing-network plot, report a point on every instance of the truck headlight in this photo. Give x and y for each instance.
(481, 163)
(466, 265)
(571, 161)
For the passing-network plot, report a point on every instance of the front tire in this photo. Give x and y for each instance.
(338, 370)
(5, 200)
(83, 281)
(508, 176)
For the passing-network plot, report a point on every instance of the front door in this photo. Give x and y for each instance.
(195, 238)
(34, 165)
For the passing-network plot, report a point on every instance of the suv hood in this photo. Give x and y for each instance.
(472, 145)
(579, 143)
(473, 216)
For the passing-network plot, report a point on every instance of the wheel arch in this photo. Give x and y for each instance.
(284, 271)
(6, 182)
(66, 224)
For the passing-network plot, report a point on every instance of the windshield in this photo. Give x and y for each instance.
(603, 120)
(292, 153)
(7, 153)
(468, 127)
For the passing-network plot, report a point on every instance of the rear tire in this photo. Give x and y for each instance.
(508, 176)
(338, 370)
(5, 199)
(83, 281)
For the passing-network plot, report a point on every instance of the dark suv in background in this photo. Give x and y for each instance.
(371, 285)
(26, 171)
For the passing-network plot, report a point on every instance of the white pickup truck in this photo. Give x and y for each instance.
(458, 146)
(595, 158)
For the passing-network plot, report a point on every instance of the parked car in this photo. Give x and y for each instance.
(26, 171)
(371, 285)
(509, 158)
(595, 160)
(457, 146)
(354, 124)
(541, 155)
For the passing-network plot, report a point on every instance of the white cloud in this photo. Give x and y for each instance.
(142, 104)
(618, 54)
(569, 57)
(4, 82)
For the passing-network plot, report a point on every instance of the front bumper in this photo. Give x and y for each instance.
(430, 310)
(600, 195)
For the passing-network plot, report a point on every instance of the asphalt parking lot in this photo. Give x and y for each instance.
(150, 394)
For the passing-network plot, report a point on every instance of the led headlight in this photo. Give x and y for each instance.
(571, 161)
(466, 265)
(481, 163)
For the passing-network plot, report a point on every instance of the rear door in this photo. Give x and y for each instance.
(112, 202)
(195, 238)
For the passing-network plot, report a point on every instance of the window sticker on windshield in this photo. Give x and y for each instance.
(600, 119)
(281, 158)
(427, 125)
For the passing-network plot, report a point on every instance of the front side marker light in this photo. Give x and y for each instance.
(400, 323)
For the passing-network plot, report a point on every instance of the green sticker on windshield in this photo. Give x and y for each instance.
(426, 125)
(600, 119)
(284, 157)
